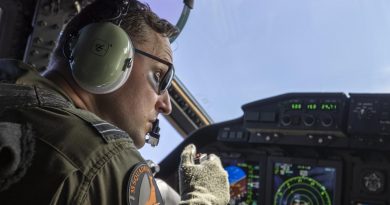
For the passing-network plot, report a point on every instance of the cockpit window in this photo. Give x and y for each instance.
(235, 52)
(167, 9)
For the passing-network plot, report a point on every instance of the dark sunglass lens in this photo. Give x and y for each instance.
(167, 80)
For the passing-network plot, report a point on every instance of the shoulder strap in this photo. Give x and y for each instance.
(108, 131)
(16, 96)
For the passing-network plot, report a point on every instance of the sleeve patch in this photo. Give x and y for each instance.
(142, 187)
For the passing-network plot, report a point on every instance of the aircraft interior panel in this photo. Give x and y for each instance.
(301, 148)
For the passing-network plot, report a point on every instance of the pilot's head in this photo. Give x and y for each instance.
(126, 86)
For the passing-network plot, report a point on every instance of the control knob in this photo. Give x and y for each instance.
(326, 120)
(373, 181)
(309, 120)
(286, 120)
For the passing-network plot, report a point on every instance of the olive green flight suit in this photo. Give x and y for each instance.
(79, 158)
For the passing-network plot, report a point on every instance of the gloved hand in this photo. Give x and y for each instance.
(204, 183)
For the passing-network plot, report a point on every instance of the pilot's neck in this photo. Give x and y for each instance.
(64, 80)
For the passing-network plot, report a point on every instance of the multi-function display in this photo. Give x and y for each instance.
(244, 180)
(300, 184)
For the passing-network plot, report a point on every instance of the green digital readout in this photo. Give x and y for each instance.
(311, 106)
(328, 106)
(296, 106)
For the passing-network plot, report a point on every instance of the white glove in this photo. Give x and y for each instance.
(204, 183)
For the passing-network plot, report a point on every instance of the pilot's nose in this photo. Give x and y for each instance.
(163, 104)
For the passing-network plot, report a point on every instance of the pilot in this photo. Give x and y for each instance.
(80, 124)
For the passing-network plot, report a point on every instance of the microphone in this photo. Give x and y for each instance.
(153, 136)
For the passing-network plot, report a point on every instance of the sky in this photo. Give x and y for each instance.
(234, 52)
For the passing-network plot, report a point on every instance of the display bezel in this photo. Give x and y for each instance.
(303, 161)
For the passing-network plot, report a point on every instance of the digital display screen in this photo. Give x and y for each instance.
(296, 106)
(325, 106)
(244, 180)
(298, 184)
(328, 106)
(311, 106)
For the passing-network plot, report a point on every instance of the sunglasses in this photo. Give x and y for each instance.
(166, 80)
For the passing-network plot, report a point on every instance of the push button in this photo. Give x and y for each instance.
(267, 117)
(251, 116)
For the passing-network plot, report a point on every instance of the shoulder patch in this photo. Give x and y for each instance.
(142, 187)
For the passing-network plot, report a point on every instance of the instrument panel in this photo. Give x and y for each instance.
(301, 149)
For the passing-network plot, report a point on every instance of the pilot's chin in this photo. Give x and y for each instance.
(139, 144)
(138, 139)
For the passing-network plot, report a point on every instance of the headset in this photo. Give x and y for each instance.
(101, 56)
(101, 53)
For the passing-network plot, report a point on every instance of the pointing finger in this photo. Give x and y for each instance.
(188, 154)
